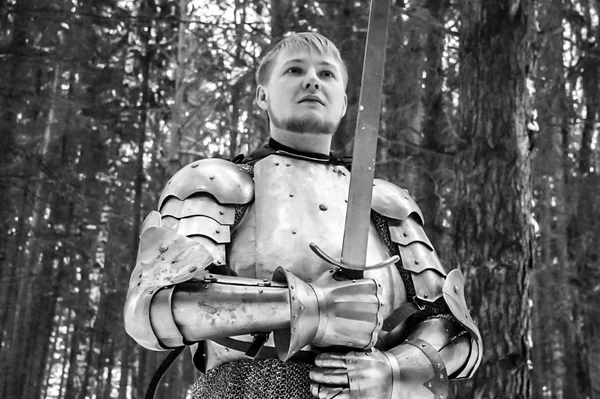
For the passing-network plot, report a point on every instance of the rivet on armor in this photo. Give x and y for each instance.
(195, 164)
(163, 248)
(193, 269)
(261, 291)
(441, 376)
(334, 170)
(429, 384)
(226, 349)
(219, 261)
(456, 289)
(212, 178)
(140, 275)
(405, 235)
(151, 292)
(288, 164)
(139, 283)
(423, 345)
(301, 307)
(323, 207)
(265, 280)
(206, 286)
(441, 396)
(349, 343)
(354, 281)
(221, 212)
(416, 261)
(293, 231)
(294, 328)
(291, 195)
(218, 231)
(291, 287)
(276, 163)
(293, 298)
(425, 296)
(295, 317)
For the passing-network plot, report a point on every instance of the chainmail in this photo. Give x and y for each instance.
(255, 379)
(240, 210)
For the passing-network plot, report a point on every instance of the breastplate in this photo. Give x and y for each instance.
(297, 202)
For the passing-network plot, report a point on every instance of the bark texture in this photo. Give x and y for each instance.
(492, 230)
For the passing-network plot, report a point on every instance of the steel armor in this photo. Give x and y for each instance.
(226, 259)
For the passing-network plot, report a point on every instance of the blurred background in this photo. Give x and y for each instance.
(490, 119)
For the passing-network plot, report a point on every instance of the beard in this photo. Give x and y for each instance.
(305, 125)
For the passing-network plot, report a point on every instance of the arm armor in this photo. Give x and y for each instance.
(430, 280)
(198, 202)
(174, 300)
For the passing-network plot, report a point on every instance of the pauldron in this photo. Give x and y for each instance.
(429, 280)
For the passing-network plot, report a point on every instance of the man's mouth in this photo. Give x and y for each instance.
(311, 99)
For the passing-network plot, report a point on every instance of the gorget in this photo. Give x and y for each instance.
(297, 201)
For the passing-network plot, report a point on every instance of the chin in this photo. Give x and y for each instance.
(310, 126)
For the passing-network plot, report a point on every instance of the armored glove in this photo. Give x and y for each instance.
(329, 312)
(405, 372)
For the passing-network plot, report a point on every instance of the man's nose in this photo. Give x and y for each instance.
(311, 81)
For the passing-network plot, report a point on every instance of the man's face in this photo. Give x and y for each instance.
(305, 92)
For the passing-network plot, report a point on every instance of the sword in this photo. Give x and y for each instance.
(358, 212)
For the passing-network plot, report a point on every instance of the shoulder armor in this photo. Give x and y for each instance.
(164, 258)
(393, 202)
(454, 294)
(405, 222)
(218, 177)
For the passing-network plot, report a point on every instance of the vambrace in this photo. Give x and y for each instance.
(298, 313)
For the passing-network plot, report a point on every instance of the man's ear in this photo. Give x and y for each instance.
(261, 97)
(345, 107)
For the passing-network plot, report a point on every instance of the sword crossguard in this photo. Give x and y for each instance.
(347, 266)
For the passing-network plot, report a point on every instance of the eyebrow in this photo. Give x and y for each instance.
(300, 60)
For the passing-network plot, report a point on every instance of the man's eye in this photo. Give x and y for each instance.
(294, 70)
(327, 74)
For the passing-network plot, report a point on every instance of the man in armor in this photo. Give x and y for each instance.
(225, 265)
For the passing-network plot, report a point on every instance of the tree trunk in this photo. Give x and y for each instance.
(492, 231)
(177, 121)
(435, 131)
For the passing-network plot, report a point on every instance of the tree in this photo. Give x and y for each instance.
(492, 231)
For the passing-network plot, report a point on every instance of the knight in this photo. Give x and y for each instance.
(225, 264)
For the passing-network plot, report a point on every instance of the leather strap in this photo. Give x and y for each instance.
(438, 384)
(264, 351)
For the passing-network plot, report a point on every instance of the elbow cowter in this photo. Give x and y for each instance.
(165, 258)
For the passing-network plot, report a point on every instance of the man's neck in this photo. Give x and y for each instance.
(306, 142)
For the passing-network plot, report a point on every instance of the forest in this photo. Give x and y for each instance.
(490, 118)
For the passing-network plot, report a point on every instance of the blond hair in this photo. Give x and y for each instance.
(305, 40)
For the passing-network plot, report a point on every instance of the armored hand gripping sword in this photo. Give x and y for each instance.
(356, 229)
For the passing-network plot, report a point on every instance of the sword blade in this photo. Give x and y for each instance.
(356, 229)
